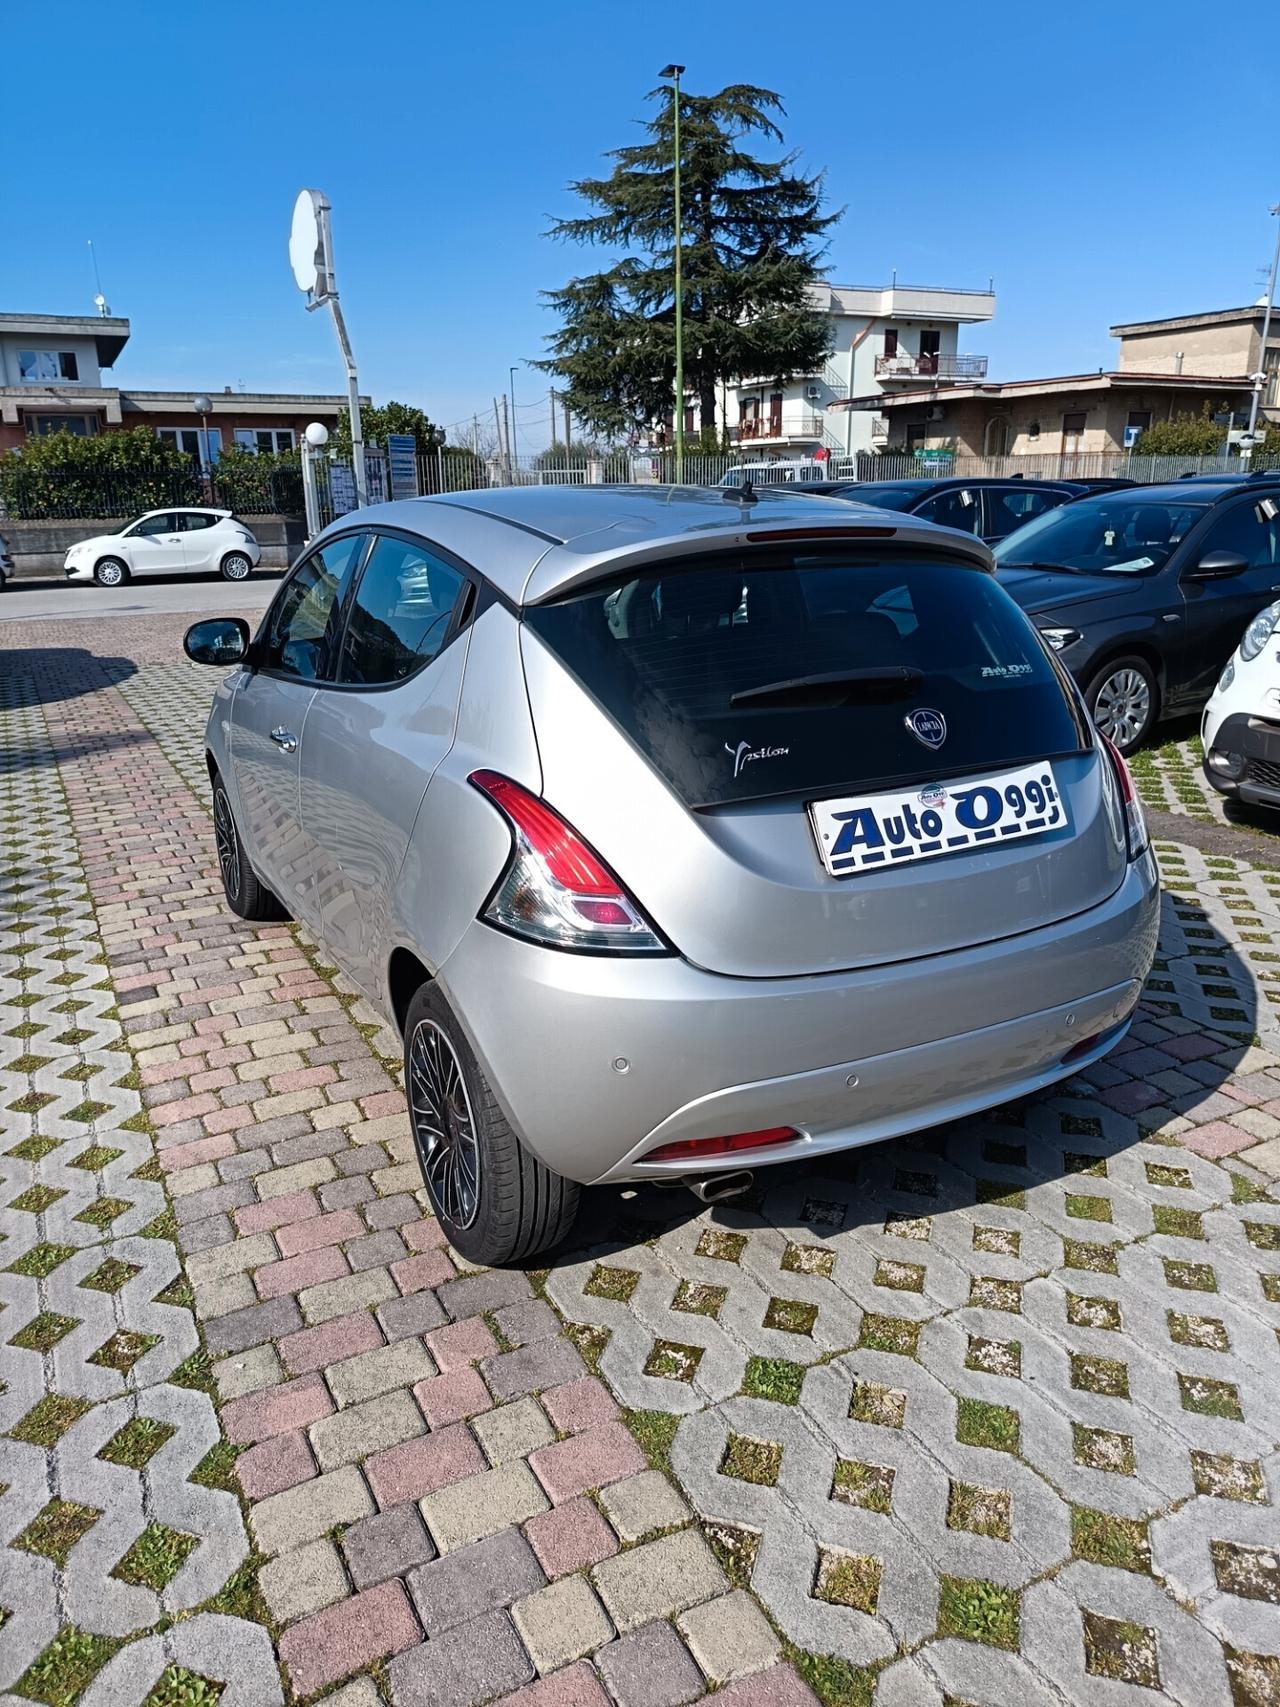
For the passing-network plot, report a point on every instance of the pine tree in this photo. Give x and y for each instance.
(752, 232)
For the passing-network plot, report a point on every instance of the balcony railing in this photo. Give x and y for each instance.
(806, 424)
(906, 366)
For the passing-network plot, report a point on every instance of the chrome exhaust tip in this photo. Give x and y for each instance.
(716, 1188)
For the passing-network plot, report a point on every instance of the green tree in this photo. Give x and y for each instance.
(377, 420)
(752, 243)
(1183, 435)
(108, 474)
(557, 455)
(259, 482)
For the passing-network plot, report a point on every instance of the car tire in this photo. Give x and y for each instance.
(495, 1202)
(236, 566)
(111, 572)
(246, 896)
(1124, 701)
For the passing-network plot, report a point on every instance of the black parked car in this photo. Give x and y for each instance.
(990, 508)
(1145, 592)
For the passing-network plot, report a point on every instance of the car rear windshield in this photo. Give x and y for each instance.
(744, 677)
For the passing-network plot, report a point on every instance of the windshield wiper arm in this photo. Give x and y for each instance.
(839, 687)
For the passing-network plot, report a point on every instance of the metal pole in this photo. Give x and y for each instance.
(679, 415)
(1260, 378)
(553, 423)
(497, 428)
(344, 344)
(506, 439)
(514, 440)
(568, 434)
(310, 501)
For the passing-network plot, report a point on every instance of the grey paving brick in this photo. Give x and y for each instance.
(352, 1292)
(483, 1577)
(303, 1580)
(650, 1667)
(658, 1578)
(244, 1328)
(513, 1431)
(524, 1323)
(473, 1294)
(374, 1249)
(393, 1211)
(465, 1666)
(416, 1313)
(533, 1368)
(379, 1371)
(389, 1544)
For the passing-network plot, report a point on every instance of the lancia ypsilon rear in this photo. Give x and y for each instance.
(680, 832)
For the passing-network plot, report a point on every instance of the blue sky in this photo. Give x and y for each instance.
(1101, 164)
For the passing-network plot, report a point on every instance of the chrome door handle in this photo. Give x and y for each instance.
(284, 738)
(1172, 617)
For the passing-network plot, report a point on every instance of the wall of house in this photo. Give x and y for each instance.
(85, 350)
(1222, 350)
(1035, 422)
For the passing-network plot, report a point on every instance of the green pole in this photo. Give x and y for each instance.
(673, 71)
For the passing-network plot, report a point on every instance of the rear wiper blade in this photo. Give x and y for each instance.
(839, 687)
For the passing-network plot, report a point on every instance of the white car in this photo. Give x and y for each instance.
(189, 541)
(778, 473)
(6, 563)
(1241, 723)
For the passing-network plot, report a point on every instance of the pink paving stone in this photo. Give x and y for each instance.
(416, 1274)
(420, 1466)
(423, 1235)
(231, 1056)
(461, 1343)
(777, 1687)
(279, 1463)
(212, 1025)
(1215, 1139)
(186, 1108)
(349, 1636)
(276, 1410)
(580, 1404)
(216, 1079)
(592, 1459)
(315, 1348)
(1191, 1047)
(308, 1269)
(198, 1150)
(159, 1074)
(302, 1079)
(277, 1212)
(382, 1102)
(227, 1120)
(575, 1686)
(1131, 1098)
(453, 1397)
(328, 1229)
(570, 1537)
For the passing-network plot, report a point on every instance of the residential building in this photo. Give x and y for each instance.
(1225, 341)
(884, 338)
(51, 380)
(1074, 415)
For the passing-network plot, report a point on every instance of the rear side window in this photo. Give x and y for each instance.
(739, 681)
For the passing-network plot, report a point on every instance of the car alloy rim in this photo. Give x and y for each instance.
(1123, 707)
(444, 1125)
(110, 573)
(237, 568)
(224, 830)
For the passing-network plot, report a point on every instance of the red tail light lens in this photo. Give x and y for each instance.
(699, 1149)
(556, 890)
(1135, 823)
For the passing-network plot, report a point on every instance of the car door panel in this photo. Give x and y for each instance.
(373, 744)
(159, 550)
(1218, 611)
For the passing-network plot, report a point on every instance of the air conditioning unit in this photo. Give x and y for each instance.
(813, 392)
(936, 412)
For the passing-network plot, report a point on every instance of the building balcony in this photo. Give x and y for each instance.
(807, 424)
(954, 368)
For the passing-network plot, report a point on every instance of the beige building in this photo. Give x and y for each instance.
(1228, 341)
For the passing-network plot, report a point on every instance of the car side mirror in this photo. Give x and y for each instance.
(1217, 566)
(220, 641)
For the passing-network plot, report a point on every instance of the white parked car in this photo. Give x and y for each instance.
(6, 563)
(1241, 723)
(189, 541)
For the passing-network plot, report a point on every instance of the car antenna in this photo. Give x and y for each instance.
(744, 494)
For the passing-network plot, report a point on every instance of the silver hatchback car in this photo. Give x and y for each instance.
(677, 831)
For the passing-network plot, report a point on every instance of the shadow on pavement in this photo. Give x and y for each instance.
(50, 675)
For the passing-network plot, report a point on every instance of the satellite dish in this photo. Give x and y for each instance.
(306, 241)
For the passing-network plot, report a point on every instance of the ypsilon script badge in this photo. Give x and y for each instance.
(928, 726)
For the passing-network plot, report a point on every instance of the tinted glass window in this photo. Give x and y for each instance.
(680, 660)
(298, 626)
(400, 613)
(1115, 533)
(150, 526)
(1246, 531)
(956, 508)
(1010, 507)
(194, 520)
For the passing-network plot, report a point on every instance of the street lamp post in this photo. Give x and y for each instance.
(1260, 377)
(513, 441)
(202, 405)
(674, 72)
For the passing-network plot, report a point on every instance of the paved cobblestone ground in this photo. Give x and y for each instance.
(984, 1417)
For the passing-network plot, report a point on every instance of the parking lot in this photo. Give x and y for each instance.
(984, 1416)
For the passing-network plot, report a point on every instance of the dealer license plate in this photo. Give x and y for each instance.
(868, 831)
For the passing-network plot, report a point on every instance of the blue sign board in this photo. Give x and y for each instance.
(402, 464)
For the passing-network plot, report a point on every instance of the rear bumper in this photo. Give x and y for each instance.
(596, 1061)
(1252, 745)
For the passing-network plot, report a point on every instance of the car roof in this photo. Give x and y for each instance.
(917, 483)
(536, 542)
(1179, 491)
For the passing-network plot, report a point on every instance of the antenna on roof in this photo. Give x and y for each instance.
(744, 494)
(99, 301)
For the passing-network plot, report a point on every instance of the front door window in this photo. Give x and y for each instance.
(297, 641)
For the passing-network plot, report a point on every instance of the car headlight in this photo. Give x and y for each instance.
(1227, 677)
(1259, 632)
(1059, 638)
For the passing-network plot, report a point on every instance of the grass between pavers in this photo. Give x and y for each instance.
(66, 1668)
(654, 1431)
(979, 1611)
(1107, 1540)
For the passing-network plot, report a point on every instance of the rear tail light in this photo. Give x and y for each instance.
(556, 890)
(700, 1149)
(1135, 823)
